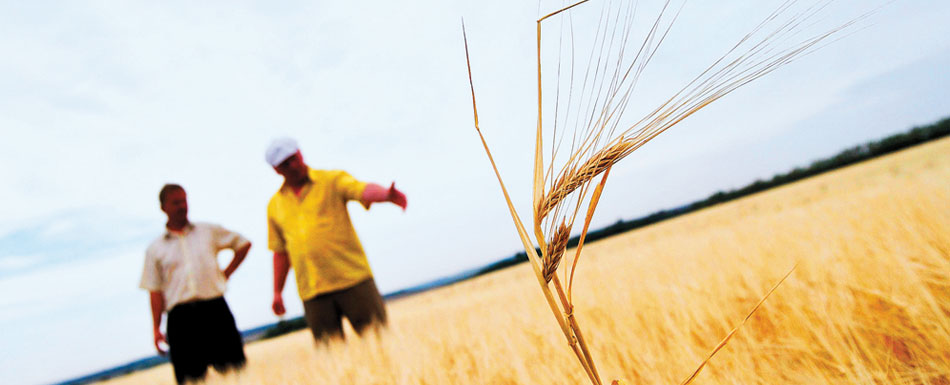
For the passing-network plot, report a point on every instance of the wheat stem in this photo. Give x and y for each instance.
(725, 340)
(586, 360)
(522, 233)
(594, 199)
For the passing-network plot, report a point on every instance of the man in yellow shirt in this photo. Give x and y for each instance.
(309, 229)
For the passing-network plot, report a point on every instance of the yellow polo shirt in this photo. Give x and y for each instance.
(315, 232)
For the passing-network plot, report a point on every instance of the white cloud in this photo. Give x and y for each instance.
(16, 262)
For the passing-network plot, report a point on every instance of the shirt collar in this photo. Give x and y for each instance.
(185, 230)
(285, 189)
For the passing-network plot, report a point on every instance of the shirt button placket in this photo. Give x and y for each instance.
(189, 270)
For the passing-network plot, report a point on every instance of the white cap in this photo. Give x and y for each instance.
(279, 150)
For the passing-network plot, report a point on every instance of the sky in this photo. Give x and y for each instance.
(101, 103)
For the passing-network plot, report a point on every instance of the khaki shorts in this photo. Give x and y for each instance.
(361, 304)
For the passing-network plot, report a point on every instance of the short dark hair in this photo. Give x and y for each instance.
(168, 188)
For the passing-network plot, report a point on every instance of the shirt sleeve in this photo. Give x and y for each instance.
(275, 237)
(349, 187)
(151, 273)
(227, 239)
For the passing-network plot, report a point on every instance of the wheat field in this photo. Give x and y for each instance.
(868, 304)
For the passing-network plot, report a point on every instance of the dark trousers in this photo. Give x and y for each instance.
(361, 304)
(203, 333)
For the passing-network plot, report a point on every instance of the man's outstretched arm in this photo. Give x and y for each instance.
(281, 268)
(374, 193)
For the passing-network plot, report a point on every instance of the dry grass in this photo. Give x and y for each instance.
(869, 304)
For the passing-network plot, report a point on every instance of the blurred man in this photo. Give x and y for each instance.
(183, 278)
(309, 229)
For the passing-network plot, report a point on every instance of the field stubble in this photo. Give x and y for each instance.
(868, 304)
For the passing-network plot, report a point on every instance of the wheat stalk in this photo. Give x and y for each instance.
(600, 139)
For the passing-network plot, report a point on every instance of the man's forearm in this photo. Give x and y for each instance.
(157, 301)
(281, 268)
(374, 193)
(239, 256)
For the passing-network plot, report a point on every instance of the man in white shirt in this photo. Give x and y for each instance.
(182, 276)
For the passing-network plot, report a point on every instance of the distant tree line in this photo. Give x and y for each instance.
(285, 326)
(914, 136)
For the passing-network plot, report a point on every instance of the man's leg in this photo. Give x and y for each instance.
(184, 347)
(323, 317)
(225, 346)
(363, 305)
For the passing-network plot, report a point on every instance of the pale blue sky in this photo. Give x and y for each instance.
(103, 102)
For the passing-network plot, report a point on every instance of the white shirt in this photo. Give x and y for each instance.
(184, 266)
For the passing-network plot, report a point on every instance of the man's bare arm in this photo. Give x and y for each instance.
(374, 193)
(157, 301)
(239, 256)
(281, 268)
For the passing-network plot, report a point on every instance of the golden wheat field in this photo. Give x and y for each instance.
(868, 304)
